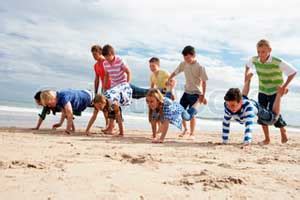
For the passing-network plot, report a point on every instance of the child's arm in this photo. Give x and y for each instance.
(226, 128)
(247, 82)
(96, 84)
(69, 115)
(62, 119)
(154, 127)
(91, 122)
(128, 72)
(105, 81)
(164, 130)
(249, 125)
(202, 96)
(288, 80)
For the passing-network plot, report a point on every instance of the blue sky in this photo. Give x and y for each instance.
(47, 43)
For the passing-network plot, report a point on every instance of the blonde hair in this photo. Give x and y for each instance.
(262, 43)
(47, 96)
(154, 92)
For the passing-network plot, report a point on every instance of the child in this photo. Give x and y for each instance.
(270, 74)
(195, 84)
(159, 77)
(243, 110)
(166, 111)
(120, 93)
(69, 101)
(99, 68)
(46, 110)
(101, 103)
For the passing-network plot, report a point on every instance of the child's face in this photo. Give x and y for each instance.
(99, 106)
(189, 58)
(263, 53)
(153, 66)
(152, 102)
(96, 55)
(234, 106)
(51, 103)
(110, 57)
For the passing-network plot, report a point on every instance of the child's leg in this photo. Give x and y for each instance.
(192, 126)
(120, 124)
(185, 130)
(267, 134)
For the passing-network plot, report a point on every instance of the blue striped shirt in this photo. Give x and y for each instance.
(244, 116)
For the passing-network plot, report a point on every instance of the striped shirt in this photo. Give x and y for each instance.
(270, 73)
(244, 116)
(116, 71)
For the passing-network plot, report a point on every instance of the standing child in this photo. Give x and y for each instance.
(270, 72)
(159, 77)
(195, 84)
(120, 93)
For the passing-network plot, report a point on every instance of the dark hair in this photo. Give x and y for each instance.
(188, 50)
(96, 48)
(37, 96)
(233, 94)
(108, 50)
(154, 60)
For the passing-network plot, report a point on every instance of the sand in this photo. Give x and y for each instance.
(47, 164)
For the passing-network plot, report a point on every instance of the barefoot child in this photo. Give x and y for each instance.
(195, 84)
(243, 110)
(69, 101)
(120, 93)
(101, 103)
(166, 111)
(270, 72)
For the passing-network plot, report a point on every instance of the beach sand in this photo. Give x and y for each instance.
(47, 164)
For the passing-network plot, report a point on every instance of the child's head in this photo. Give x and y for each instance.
(189, 54)
(154, 64)
(96, 51)
(99, 102)
(263, 50)
(108, 52)
(154, 98)
(37, 98)
(48, 98)
(233, 99)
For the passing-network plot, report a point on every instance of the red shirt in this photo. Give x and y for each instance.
(99, 71)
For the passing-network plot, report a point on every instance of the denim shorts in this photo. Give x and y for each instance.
(266, 102)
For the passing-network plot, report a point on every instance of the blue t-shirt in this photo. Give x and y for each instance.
(79, 99)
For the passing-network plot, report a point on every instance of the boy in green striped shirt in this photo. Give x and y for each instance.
(270, 72)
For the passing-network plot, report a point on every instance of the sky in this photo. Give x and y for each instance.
(46, 44)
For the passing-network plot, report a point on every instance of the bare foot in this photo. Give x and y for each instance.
(265, 142)
(284, 138)
(192, 137)
(185, 132)
(157, 141)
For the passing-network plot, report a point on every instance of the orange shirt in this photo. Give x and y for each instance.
(99, 71)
